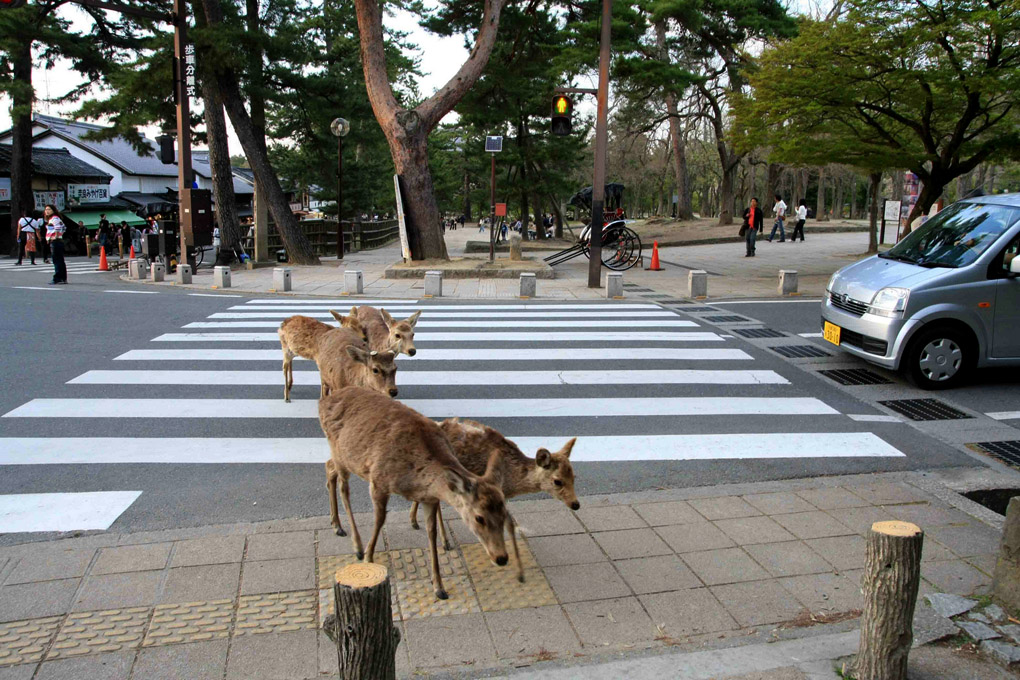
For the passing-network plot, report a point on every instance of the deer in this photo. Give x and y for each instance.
(548, 472)
(399, 451)
(327, 346)
(385, 332)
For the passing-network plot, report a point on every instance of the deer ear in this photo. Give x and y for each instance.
(337, 315)
(568, 447)
(543, 459)
(386, 317)
(413, 319)
(493, 473)
(354, 311)
(350, 322)
(459, 484)
(358, 354)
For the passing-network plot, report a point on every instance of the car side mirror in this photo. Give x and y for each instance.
(1014, 266)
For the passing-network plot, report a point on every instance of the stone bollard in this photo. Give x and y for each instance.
(787, 282)
(354, 282)
(158, 271)
(142, 270)
(697, 284)
(133, 268)
(281, 279)
(1006, 580)
(221, 277)
(527, 285)
(614, 286)
(184, 273)
(433, 284)
(515, 247)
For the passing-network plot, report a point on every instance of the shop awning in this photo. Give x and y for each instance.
(115, 217)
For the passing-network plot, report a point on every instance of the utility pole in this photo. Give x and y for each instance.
(182, 93)
(598, 190)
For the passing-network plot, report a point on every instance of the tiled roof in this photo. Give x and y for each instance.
(53, 163)
(117, 151)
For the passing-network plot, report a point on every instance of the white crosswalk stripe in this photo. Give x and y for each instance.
(636, 381)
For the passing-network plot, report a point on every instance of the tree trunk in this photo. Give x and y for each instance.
(362, 628)
(299, 249)
(820, 207)
(892, 574)
(21, 137)
(256, 100)
(876, 183)
(837, 206)
(539, 226)
(931, 189)
(771, 186)
(222, 175)
(410, 158)
(467, 196)
(726, 192)
(853, 198)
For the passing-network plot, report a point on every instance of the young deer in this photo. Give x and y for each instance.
(399, 451)
(385, 332)
(549, 472)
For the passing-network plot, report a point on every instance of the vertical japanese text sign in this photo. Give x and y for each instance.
(188, 69)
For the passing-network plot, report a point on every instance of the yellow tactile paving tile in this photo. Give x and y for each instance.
(25, 641)
(190, 622)
(276, 612)
(415, 564)
(328, 565)
(478, 561)
(110, 630)
(418, 600)
(498, 591)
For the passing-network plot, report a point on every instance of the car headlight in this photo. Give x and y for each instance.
(832, 279)
(889, 302)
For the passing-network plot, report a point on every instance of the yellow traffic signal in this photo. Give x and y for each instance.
(562, 112)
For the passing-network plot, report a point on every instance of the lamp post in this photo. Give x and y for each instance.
(339, 127)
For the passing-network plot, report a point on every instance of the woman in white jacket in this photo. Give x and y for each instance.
(801, 216)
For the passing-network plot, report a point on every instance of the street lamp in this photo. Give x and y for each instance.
(339, 127)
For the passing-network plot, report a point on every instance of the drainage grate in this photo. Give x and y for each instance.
(855, 376)
(635, 289)
(674, 301)
(728, 319)
(699, 309)
(800, 351)
(655, 296)
(925, 409)
(758, 333)
(1007, 452)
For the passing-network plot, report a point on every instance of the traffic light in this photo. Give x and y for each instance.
(11, 4)
(167, 151)
(562, 112)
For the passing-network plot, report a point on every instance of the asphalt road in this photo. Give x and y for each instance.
(761, 416)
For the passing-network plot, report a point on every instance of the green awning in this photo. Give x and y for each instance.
(115, 217)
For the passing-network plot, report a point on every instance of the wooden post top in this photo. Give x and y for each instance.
(361, 575)
(896, 528)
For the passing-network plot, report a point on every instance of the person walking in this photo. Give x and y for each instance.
(779, 209)
(28, 237)
(798, 228)
(55, 237)
(751, 226)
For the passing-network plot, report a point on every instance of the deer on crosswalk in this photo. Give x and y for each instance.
(384, 332)
(399, 451)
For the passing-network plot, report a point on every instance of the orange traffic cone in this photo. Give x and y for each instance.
(103, 266)
(655, 258)
(132, 255)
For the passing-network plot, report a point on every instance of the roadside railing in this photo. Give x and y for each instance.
(358, 235)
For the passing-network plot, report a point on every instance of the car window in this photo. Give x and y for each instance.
(956, 236)
(1009, 254)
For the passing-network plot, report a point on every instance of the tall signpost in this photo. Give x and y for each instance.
(184, 90)
(339, 127)
(598, 195)
(493, 145)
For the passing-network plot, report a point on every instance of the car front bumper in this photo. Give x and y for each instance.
(877, 339)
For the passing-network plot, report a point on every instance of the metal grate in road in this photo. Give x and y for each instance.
(1008, 452)
(699, 309)
(674, 301)
(855, 376)
(800, 351)
(655, 296)
(728, 318)
(925, 409)
(758, 333)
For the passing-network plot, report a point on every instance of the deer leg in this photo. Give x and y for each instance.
(334, 514)
(288, 374)
(379, 500)
(431, 512)
(414, 515)
(442, 529)
(510, 527)
(345, 495)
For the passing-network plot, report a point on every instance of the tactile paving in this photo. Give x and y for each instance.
(25, 641)
(415, 563)
(418, 600)
(478, 561)
(110, 630)
(329, 565)
(190, 622)
(276, 612)
(498, 591)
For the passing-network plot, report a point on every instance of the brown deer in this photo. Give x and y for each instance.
(385, 332)
(548, 472)
(399, 451)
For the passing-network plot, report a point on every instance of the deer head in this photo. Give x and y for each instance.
(379, 372)
(481, 505)
(556, 474)
(401, 332)
(350, 322)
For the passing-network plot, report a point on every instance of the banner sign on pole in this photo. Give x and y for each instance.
(501, 210)
(80, 194)
(405, 249)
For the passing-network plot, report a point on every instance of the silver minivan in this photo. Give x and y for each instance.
(942, 301)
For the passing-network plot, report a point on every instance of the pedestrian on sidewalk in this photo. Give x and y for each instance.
(55, 237)
(801, 217)
(751, 226)
(481, 225)
(26, 234)
(780, 212)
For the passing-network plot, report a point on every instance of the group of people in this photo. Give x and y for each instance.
(47, 235)
(453, 222)
(754, 223)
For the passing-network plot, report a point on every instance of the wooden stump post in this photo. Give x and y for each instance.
(1006, 581)
(892, 574)
(366, 639)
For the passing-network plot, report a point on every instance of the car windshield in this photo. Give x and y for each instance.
(955, 237)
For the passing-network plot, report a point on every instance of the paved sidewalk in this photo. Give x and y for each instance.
(679, 570)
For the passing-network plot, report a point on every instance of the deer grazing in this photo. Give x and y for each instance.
(384, 332)
(341, 354)
(548, 472)
(399, 451)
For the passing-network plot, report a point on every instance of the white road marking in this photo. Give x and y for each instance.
(134, 292)
(495, 336)
(865, 418)
(35, 287)
(315, 450)
(432, 408)
(219, 295)
(476, 323)
(765, 302)
(465, 354)
(427, 313)
(1004, 415)
(82, 511)
(325, 306)
(439, 378)
(810, 335)
(408, 302)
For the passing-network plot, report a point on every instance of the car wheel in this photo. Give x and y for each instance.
(939, 358)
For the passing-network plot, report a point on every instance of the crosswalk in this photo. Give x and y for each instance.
(633, 381)
(26, 267)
